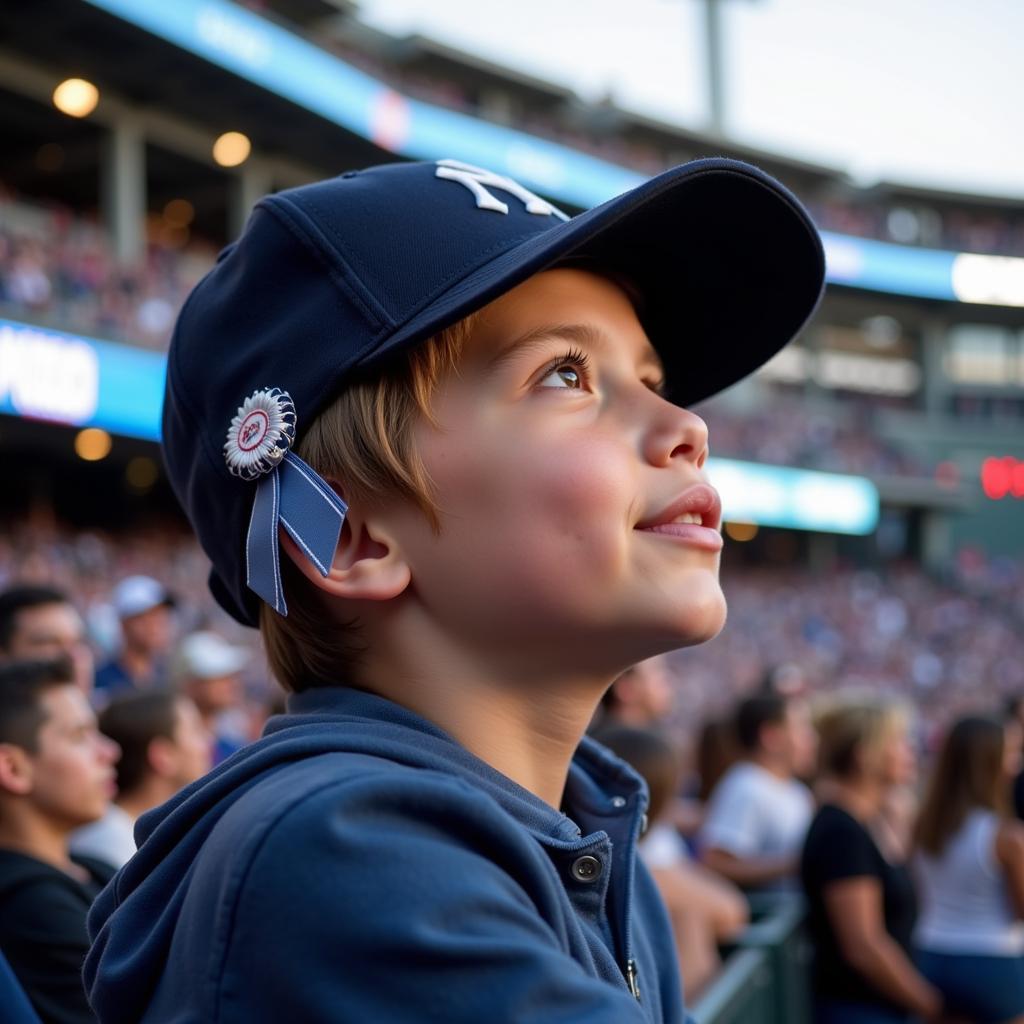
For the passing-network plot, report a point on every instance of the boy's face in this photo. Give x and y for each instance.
(555, 464)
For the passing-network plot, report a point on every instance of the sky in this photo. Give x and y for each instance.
(924, 92)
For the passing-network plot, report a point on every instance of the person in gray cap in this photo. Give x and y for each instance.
(208, 671)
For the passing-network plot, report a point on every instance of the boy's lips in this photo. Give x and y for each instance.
(694, 516)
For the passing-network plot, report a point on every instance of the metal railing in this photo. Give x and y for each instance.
(765, 976)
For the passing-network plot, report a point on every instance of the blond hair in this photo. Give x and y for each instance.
(852, 730)
(363, 441)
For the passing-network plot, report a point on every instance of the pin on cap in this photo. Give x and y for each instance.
(290, 493)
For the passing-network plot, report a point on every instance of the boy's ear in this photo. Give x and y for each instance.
(16, 774)
(368, 563)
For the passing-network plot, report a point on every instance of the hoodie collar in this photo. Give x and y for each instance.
(597, 781)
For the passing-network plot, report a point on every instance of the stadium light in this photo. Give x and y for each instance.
(92, 444)
(741, 532)
(76, 97)
(232, 149)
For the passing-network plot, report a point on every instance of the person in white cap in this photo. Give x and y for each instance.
(209, 672)
(143, 606)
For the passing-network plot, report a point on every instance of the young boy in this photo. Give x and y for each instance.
(458, 505)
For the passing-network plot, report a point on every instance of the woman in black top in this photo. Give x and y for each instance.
(861, 901)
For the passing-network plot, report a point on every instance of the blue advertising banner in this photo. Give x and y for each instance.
(67, 378)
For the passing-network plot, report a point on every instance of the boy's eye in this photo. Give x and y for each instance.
(569, 371)
(564, 376)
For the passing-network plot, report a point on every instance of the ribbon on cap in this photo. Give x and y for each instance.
(290, 493)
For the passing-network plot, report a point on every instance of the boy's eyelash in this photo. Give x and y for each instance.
(579, 358)
(575, 356)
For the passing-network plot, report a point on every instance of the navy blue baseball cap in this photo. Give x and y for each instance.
(331, 279)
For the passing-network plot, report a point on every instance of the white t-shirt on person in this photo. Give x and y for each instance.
(111, 839)
(753, 813)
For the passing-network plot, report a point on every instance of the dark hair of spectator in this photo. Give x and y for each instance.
(716, 754)
(133, 722)
(754, 714)
(653, 755)
(22, 686)
(968, 774)
(17, 599)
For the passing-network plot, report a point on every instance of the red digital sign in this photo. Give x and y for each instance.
(1003, 477)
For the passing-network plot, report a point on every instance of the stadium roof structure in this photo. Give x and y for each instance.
(216, 65)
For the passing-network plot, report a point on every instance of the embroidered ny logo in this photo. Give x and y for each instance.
(475, 178)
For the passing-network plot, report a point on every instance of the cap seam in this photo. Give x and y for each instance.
(295, 220)
(453, 279)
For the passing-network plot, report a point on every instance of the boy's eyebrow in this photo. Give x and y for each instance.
(582, 334)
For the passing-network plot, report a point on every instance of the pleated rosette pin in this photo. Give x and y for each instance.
(262, 431)
(289, 493)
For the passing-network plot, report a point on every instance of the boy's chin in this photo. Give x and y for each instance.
(700, 614)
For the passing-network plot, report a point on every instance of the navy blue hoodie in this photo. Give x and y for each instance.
(358, 864)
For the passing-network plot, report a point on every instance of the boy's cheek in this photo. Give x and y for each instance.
(559, 483)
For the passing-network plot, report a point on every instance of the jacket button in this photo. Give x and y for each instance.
(586, 869)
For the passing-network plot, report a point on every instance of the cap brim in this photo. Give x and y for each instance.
(727, 262)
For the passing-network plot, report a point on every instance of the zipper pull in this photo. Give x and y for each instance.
(631, 979)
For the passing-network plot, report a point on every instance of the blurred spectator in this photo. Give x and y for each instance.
(143, 607)
(38, 623)
(1013, 714)
(759, 811)
(164, 747)
(641, 696)
(970, 937)
(208, 671)
(861, 900)
(56, 774)
(705, 910)
(716, 754)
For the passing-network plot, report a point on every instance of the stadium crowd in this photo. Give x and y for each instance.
(725, 735)
(57, 269)
(790, 433)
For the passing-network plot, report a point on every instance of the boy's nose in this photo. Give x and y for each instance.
(677, 434)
